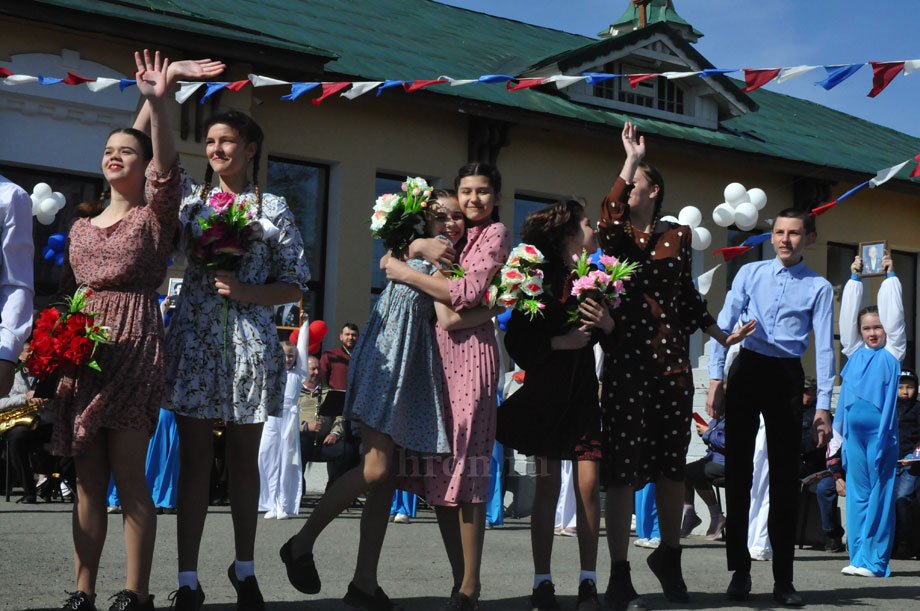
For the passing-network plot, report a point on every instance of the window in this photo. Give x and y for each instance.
(658, 92)
(77, 189)
(524, 206)
(305, 187)
(761, 252)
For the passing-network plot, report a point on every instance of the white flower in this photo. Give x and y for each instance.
(533, 285)
(528, 253)
(386, 202)
(378, 220)
(490, 296)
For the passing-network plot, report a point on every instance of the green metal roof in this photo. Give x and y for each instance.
(422, 39)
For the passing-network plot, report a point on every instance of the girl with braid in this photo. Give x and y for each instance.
(240, 382)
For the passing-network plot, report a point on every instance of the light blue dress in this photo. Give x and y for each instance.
(396, 381)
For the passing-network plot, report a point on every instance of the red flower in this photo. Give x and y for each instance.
(79, 350)
(47, 319)
(212, 234)
(77, 321)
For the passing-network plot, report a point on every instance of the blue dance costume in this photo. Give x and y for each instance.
(867, 419)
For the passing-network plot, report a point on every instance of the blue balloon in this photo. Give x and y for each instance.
(596, 257)
(503, 319)
(57, 243)
(48, 253)
(59, 259)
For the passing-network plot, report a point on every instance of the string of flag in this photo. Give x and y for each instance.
(883, 73)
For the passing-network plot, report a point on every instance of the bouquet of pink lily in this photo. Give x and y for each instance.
(397, 218)
(603, 284)
(228, 227)
(519, 283)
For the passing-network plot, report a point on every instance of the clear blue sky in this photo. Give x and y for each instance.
(774, 34)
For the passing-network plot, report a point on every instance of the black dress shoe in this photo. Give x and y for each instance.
(621, 595)
(248, 595)
(27, 499)
(740, 586)
(187, 599)
(378, 601)
(460, 602)
(785, 594)
(126, 600)
(79, 601)
(301, 572)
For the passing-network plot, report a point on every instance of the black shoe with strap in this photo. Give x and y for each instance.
(248, 595)
(301, 571)
(187, 599)
(460, 602)
(544, 597)
(378, 601)
(665, 564)
(587, 596)
(80, 601)
(126, 600)
(621, 595)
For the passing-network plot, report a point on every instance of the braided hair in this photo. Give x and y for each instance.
(547, 229)
(249, 130)
(145, 146)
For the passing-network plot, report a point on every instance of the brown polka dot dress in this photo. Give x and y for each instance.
(647, 395)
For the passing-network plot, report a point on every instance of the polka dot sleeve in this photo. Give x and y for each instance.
(614, 214)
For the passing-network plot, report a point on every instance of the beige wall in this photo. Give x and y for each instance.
(396, 135)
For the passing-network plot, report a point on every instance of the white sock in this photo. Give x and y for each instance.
(188, 578)
(592, 575)
(244, 569)
(538, 579)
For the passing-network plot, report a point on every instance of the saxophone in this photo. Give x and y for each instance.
(26, 414)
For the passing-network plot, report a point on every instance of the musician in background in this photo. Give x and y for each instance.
(20, 411)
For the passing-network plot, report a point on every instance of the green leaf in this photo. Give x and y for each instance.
(94, 365)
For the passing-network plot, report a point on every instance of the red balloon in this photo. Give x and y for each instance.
(314, 348)
(295, 335)
(317, 331)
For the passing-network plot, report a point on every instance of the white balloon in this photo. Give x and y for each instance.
(48, 206)
(723, 215)
(45, 219)
(59, 199)
(690, 215)
(36, 204)
(42, 190)
(757, 197)
(670, 219)
(701, 238)
(745, 216)
(735, 193)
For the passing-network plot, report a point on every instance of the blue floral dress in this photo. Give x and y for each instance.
(247, 384)
(396, 381)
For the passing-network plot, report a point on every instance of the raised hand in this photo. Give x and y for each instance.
(633, 143)
(887, 263)
(856, 266)
(194, 69)
(151, 75)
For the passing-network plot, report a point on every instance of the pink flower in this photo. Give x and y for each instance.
(490, 296)
(618, 287)
(511, 276)
(404, 186)
(580, 285)
(228, 246)
(221, 201)
(416, 191)
(607, 261)
(599, 279)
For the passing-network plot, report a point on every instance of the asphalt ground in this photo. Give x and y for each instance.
(36, 566)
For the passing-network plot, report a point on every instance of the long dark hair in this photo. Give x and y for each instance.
(654, 177)
(145, 145)
(547, 229)
(481, 168)
(249, 130)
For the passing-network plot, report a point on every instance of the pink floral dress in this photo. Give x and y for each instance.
(123, 264)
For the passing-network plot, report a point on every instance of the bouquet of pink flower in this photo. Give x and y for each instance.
(397, 218)
(227, 230)
(603, 284)
(519, 283)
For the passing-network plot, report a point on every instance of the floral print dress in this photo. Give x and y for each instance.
(241, 381)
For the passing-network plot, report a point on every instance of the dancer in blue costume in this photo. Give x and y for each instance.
(874, 341)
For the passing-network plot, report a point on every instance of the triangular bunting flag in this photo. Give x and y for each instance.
(756, 79)
(563, 81)
(76, 79)
(389, 83)
(677, 75)
(411, 86)
(635, 79)
(704, 281)
(20, 79)
(360, 89)
(731, 252)
(594, 78)
(237, 85)
(494, 78)
(4, 72)
(102, 83)
(822, 209)
(264, 81)
(916, 171)
(911, 66)
(787, 73)
(49, 80)
(298, 89)
(524, 83)
(882, 74)
(838, 74)
(885, 175)
(186, 89)
(460, 82)
(125, 83)
(755, 240)
(328, 90)
(212, 89)
(853, 190)
(714, 71)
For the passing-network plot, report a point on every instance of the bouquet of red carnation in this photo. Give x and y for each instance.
(61, 342)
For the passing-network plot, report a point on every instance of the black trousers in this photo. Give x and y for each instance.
(758, 384)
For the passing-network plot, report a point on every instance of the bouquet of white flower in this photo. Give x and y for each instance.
(398, 218)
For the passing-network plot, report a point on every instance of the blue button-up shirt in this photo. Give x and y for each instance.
(787, 303)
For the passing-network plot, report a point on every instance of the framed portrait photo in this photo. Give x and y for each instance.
(872, 253)
(288, 315)
(175, 287)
